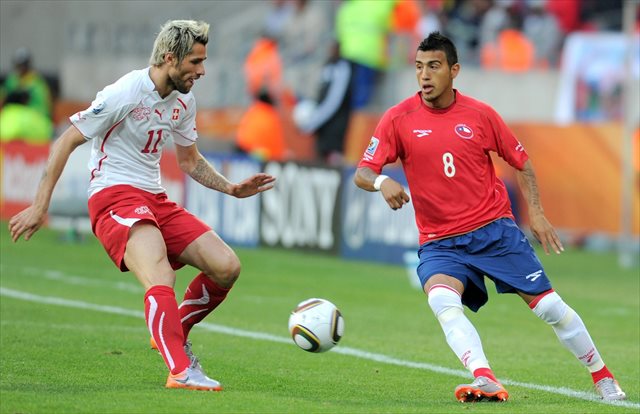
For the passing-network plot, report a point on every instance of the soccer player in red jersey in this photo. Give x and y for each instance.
(128, 124)
(467, 230)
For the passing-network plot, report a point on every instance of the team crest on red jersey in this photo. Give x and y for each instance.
(464, 131)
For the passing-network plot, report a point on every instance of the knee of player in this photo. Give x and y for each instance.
(230, 270)
(553, 310)
(445, 303)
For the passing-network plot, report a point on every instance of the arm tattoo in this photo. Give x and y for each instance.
(206, 175)
(529, 186)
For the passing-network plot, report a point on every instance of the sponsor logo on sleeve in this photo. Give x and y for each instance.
(371, 149)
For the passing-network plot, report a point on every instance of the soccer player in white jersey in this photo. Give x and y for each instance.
(128, 124)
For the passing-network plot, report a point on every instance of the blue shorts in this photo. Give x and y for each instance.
(498, 250)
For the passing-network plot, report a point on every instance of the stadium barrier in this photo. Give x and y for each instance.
(318, 208)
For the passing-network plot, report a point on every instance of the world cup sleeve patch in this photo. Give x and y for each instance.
(371, 149)
(98, 107)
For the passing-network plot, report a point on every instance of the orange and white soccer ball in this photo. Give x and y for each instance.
(316, 325)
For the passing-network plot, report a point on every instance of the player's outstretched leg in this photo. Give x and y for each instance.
(573, 334)
(464, 340)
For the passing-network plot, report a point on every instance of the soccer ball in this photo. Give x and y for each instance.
(316, 325)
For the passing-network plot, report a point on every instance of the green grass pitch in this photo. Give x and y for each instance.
(73, 340)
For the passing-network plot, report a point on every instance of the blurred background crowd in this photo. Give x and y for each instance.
(303, 70)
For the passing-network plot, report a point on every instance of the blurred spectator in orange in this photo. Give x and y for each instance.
(404, 26)
(19, 121)
(512, 51)
(329, 118)
(263, 70)
(260, 131)
(25, 78)
(362, 29)
(494, 21)
(405, 17)
(263, 67)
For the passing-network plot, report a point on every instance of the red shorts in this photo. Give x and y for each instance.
(114, 210)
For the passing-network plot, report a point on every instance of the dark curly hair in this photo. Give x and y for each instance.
(437, 41)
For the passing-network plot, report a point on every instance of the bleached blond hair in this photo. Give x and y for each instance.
(178, 37)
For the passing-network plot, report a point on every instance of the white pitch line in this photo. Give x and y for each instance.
(52, 300)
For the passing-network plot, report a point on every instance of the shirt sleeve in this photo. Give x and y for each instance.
(502, 140)
(383, 146)
(105, 111)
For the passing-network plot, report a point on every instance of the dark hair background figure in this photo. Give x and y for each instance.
(328, 119)
(24, 77)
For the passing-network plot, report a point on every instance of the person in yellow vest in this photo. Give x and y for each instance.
(18, 121)
(362, 29)
(25, 78)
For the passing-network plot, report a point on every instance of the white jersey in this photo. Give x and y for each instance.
(128, 124)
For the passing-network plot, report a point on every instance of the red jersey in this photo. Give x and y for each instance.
(445, 157)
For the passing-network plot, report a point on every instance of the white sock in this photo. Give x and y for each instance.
(570, 330)
(461, 335)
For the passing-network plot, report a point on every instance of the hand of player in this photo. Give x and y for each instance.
(253, 185)
(545, 233)
(26, 222)
(393, 193)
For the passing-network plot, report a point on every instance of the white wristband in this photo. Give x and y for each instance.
(378, 182)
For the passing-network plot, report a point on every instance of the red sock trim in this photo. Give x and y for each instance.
(159, 290)
(538, 298)
(603, 373)
(444, 287)
(485, 372)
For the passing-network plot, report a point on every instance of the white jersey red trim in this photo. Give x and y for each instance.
(128, 124)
